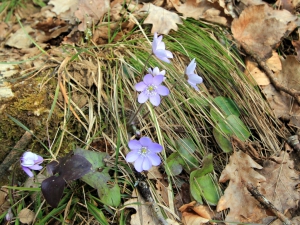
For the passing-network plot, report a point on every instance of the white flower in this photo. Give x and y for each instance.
(193, 79)
(159, 49)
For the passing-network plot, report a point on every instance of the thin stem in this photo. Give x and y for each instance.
(135, 114)
(143, 71)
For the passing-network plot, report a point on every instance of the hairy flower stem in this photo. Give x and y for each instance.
(143, 71)
(130, 122)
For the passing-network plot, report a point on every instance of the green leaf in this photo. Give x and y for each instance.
(95, 158)
(96, 179)
(222, 141)
(227, 106)
(110, 196)
(174, 163)
(238, 127)
(186, 148)
(97, 213)
(204, 187)
(201, 183)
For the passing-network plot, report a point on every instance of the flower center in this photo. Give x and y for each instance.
(151, 90)
(144, 151)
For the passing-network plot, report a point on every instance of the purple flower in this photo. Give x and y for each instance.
(151, 89)
(159, 49)
(30, 161)
(193, 79)
(144, 153)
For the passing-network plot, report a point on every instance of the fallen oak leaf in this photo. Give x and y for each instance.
(162, 20)
(282, 179)
(243, 206)
(90, 12)
(260, 28)
(202, 9)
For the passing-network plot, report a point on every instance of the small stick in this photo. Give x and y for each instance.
(279, 87)
(262, 199)
(15, 153)
(293, 141)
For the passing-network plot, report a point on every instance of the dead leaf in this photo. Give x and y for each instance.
(201, 10)
(90, 12)
(62, 6)
(281, 103)
(162, 20)
(260, 77)
(285, 4)
(296, 45)
(4, 28)
(260, 28)
(21, 34)
(50, 28)
(281, 181)
(26, 216)
(154, 173)
(162, 192)
(194, 214)
(253, 71)
(243, 207)
(143, 214)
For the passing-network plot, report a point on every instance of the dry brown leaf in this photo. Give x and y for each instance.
(296, 45)
(281, 103)
(4, 28)
(243, 207)
(26, 216)
(154, 173)
(285, 4)
(200, 10)
(143, 214)
(253, 71)
(193, 213)
(90, 12)
(4, 200)
(260, 28)
(281, 181)
(162, 20)
(62, 6)
(50, 28)
(21, 34)
(162, 192)
(260, 77)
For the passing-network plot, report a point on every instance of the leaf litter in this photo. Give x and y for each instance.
(259, 27)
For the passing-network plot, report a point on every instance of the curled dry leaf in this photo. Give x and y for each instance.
(193, 214)
(243, 206)
(162, 20)
(26, 216)
(260, 28)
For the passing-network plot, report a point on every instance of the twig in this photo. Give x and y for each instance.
(262, 199)
(145, 192)
(15, 153)
(279, 87)
(293, 141)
